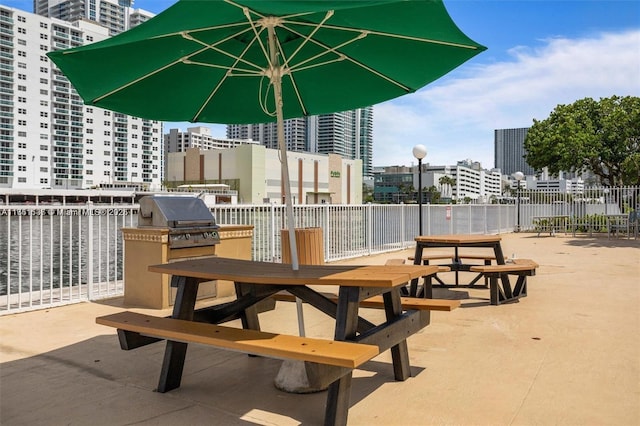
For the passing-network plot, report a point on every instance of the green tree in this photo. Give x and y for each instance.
(447, 182)
(600, 136)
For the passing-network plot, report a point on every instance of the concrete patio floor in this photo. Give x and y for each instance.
(568, 354)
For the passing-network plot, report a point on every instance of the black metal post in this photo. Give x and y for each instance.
(518, 208)
(420, 196)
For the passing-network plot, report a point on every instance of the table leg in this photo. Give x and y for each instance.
(497, 250)
(339, 392)
(417, 260)
(456, 261)
(399, 352)
(175, 352)
(249, 316)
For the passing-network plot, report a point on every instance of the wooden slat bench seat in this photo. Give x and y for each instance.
(523, 268)
(486, 258)
(428, 257)
(280, 346)
(377, 302)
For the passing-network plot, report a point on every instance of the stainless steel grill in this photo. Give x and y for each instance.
(190, 222)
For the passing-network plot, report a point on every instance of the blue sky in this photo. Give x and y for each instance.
(540, 54)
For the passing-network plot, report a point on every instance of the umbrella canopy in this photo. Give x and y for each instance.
(254, 61)
(211, 60)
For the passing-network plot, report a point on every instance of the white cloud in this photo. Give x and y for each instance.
(455, 118)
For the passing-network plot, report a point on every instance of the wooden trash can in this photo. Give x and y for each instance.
(309, 243)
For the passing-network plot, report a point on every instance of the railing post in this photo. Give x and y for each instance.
(272, 234)
(90, 251)
(369, 229)
(325, 233)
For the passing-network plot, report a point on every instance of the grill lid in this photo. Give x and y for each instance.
(174, 212)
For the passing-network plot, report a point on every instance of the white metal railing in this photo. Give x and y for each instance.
(60, 254)
(55, 255)
(52, 255)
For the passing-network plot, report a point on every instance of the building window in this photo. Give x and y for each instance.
(22, 180)
(44, 147)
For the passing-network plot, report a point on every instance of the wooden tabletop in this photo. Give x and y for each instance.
(458, 239)
(247, 271)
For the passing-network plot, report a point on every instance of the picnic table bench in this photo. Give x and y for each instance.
(356, 339)
(500, 290)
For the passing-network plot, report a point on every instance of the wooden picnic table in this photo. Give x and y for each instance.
(456, 242)
(257, 281)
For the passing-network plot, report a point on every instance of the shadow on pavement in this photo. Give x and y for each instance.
(95, 382)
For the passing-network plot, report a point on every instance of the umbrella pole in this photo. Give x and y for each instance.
(276, 79)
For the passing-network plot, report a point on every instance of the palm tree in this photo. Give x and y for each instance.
(447, 182)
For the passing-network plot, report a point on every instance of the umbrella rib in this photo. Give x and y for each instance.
(214, 47)
(227, 74)
(341, 56)
(306, 38)
(389, 35)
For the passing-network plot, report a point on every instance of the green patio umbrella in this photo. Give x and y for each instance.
(254, 61)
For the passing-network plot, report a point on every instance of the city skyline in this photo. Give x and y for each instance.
(540, 54)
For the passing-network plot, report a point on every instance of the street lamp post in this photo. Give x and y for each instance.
(518, 176)
(419, 151)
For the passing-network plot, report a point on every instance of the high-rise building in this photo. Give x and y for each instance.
(348, 133)
(48, 137)
(116, 15)
(509, 152)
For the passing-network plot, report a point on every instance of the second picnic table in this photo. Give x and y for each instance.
(455, 241)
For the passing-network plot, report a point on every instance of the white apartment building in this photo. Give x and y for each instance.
(255, 172)
(48, 137)
(471, 181)
(198, 137)
(116, 15)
